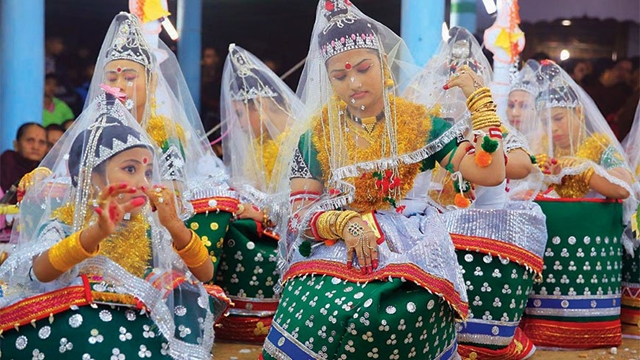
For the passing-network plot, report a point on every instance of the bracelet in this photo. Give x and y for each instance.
(195, 253)
(478, 94)
(325, 225)
(266, 222)
(588, 174)
(67, 253)
(344, 219)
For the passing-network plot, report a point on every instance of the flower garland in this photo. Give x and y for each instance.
(157, 127)
(129, 247)
(370, 194)
(266, 152)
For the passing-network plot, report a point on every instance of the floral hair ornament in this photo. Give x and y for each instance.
(114, 91)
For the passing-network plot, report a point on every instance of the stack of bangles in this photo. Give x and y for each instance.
(328, 226)
(195, 253)
(483, 109)
(69, 252)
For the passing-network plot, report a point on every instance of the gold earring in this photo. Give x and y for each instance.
(388, 80)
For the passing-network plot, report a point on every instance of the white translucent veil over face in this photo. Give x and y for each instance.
(339, 27)
(631, 145)
(459, 50)
(155, 92)
(61, 203)
(258, 110)
(522, 95)
(569, 125)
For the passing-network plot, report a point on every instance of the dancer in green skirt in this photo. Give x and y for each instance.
(105, 267)
(368, 271)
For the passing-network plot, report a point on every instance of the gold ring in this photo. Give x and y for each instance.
(240, 209)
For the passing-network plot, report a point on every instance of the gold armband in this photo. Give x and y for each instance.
(69, 252)
(195, 253)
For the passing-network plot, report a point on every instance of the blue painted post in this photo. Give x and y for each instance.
(21, 66)
(190, 44)
(463, 14)
(421, 27)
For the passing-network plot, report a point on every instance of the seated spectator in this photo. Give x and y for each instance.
(30, 147)
(54, 133)
(67, 124)
(55, 110)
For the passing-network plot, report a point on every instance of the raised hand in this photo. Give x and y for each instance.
(465, 79)
(109, 211)
(164, 201)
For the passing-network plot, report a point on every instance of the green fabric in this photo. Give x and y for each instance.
(611, 158)
(584, 253)
(497, 289)
(211, 227)
(439, 127)
(87, 333)
(61, 113)
(248, 266)
(631, 276)
(383, 320)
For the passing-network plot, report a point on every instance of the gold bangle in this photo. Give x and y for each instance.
(483, 91)
(587, 175)
(195, 253)
(326, 223)
(479, 102)
(69, 252)
(344, 220)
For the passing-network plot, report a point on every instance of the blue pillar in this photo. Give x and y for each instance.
(21, 66)
(463, 14)
(421, 27)
(190, 44)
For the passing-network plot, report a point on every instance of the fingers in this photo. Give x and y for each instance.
(133, 204)
(350, 253)
(373, 250)
(366, 252)
(360, 255)
(115, 190)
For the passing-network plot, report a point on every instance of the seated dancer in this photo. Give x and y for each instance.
(362, 278)
(105, 265)
(153, 89)
(498, 233)
(257, 113)
(577, 305)
(630, 312)
(521, 103)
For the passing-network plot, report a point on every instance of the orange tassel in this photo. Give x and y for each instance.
(461, 201)
(483, 158)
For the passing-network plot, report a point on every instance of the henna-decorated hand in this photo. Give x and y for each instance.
(109, 211)
(362, 242)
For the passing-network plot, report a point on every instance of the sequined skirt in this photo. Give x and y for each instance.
(578, 303)
(500, 252)
(88, 333)
(630, 312)
(324, 317)
(247, 274)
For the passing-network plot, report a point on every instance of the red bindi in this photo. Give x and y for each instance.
(347, 66)
(118, 69)
(145, 161)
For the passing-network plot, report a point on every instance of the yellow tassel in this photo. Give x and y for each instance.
(33, 323)
(50, 318)
(17, 327)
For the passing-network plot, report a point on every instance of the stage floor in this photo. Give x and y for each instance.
(629, 350)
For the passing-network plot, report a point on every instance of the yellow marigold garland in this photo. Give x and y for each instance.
(412, 119)
(269, 149)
